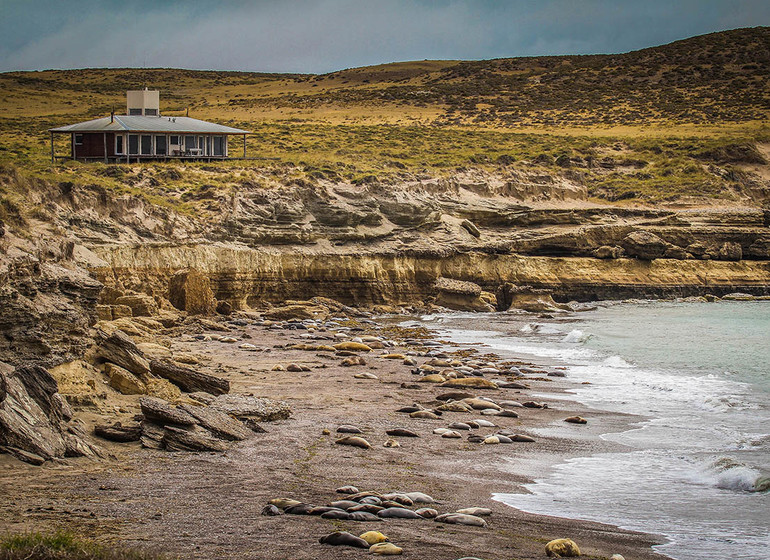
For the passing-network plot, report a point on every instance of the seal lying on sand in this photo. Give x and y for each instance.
(342, 538)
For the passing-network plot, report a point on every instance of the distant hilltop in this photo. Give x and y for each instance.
(710, 79)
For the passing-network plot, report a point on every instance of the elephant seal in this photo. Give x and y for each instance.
(504, 439)
(459, 426)
(348, 430)
(576, 420)
(300, 509)
(373, 537)
(369, 508)
(400, 498)
(477, 511)
(335, 514)
(363, 516)
(424, 414)
(347, 490)
(373, 500)
(522, 438)
(562, 548)
(426, 513)
(270, 509)
(398, 513)
(284, 503)
(343, 504)
(420, 498)
(401, 432)
(451, 434)
(391, 443)
(342, 538)
(385, 549)
(354, 441)
(473, 438)
(461, 519)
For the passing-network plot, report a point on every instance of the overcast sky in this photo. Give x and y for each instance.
(318, 36)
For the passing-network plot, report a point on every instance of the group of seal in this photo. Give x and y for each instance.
(375, 506)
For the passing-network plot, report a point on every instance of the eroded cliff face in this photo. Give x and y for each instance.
(275, 237)
(246, 277)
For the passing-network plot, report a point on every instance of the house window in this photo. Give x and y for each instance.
(118, 144)
(160, 145)
(202, 144)
(175, 140)
(219, 145)
(134, 112)
(78, 139)
(146, 145)
(189, 143)
(133, 144)
(151, 112)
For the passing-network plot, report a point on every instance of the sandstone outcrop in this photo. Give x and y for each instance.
(190, 291)
(35, 422)
(460, 295)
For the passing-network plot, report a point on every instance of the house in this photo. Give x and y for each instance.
(144, 134)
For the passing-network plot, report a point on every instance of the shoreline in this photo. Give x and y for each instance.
(208, 505)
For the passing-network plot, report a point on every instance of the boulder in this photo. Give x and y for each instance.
(33, 416)
(188, 379)
(526, 298)
(178, 439)
(259, 409)
(730, 251)
(460, 295)
(161, 412)
(645, 245)
(119, 349)
(471, 228)
(608, 252)
(124, 381)
(296, 311)
(190, 291)
(217, 422)
(142, 305)
(117, 432)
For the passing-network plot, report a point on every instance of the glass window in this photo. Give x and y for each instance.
(189, 142)
(219, 145)
(118, 143)
(146, 145)
(151, 112)
(133, 144)
(202, 144)
(78, 139)
(175, 140)
(160, 145)
(134, 111)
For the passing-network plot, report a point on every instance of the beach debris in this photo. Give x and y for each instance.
(562, 548)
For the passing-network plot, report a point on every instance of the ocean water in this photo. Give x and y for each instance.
(697, 464)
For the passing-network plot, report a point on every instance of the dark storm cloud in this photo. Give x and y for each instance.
(326, 35)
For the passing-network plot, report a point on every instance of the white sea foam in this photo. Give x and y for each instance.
(576, 336)
(730, 474)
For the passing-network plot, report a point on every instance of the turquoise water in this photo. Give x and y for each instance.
(698, 462)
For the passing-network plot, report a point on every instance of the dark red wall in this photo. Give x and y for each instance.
(93, 145)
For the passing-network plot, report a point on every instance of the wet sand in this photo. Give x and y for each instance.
(208, 505)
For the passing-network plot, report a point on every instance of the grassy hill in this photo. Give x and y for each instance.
(687, 118)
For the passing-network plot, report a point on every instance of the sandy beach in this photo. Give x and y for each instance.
(208, 505)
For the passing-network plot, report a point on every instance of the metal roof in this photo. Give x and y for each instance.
(141, 123)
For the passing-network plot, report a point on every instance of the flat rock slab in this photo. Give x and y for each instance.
(162, 412)
(219, 423)
(179, 439)
(119, 349)
(263, 410)
(189, 380)
(118, 432)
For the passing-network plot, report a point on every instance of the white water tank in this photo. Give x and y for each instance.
(143, 102)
